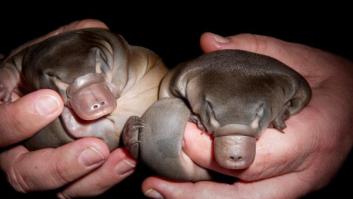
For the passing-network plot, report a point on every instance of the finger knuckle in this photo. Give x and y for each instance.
(89, 23)
(12, 127)
(64, 195)
(259, 170)
(260, 43)
(86, 23)
(252, 175)
(17, 181)
(100, 188)
(61, 173)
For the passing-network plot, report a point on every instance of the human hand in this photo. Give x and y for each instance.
(287, 165)
(85, 166)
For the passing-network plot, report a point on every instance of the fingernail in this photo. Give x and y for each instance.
(124, 167)
(91, 156)
(151, 193)
(46, 105)
(219, 39)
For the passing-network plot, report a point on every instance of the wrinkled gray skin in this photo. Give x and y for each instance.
(232, 94)
(102, 79)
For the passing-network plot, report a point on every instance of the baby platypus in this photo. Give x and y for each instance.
(232, 94)
(102, 79)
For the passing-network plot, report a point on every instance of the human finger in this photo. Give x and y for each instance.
(51, 168)
(21, 119)
(118, 166)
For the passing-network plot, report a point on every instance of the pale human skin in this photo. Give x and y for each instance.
(85, 166)
(287, 165)
(281, 168)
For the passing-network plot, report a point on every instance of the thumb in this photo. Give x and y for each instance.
(297, 56)
(249, 42)
(22, 118)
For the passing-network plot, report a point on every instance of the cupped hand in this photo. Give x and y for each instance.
(85, 167)
(287, 165)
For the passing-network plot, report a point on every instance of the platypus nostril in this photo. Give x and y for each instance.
(95, 106)
(98, 105)
(235, 158)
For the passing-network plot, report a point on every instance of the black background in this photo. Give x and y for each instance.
(173, 32)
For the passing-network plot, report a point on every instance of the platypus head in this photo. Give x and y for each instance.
(235, 109)
(79, 66)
